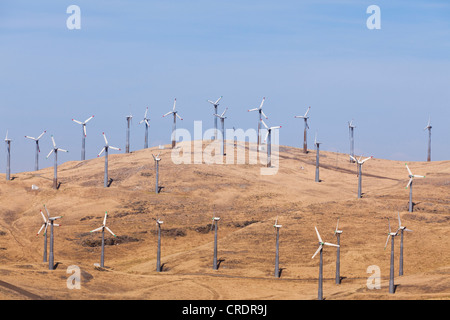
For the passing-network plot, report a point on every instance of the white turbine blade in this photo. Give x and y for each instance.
(366, 160)
(89, 119)
(215, 114)
(46, 210)
(43, 226)
(145, 114)
(262, 103)
(63, 150)
(98, 229)
(387, 241)
(84, 130)
(110, 231)
(337, 225)
(267, 135)
(256, 109)
(6, 138)
(79, 122)
(276, 221)
(331, 245)
(174, 104)
(114, 148)
(416, 176)
(168, 113)
(146, 122)
(318, 250)
(299, 117)
(104, 137)
(223, 113)
(409, 183)
(399, 221)
(38, 138)
(43, 217)
(265, 125)
(353, 158)
(50, 153)
(306, 114)
(104, 219)
(142, 121)
(278, 127)
(408, 230)
(178, 116)
(318, 235)
(262, 112)
(212, 102)
(389, 226)
(32, 138)
(218, 100)
(46, 227)
(53, 140)
(410, 173)
(101, 152)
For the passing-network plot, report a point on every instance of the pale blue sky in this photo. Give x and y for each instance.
(133, 54)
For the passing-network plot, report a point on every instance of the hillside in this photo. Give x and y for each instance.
(248, 204)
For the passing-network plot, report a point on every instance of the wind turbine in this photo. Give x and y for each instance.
(320, 250)
(174, 125)
(105, 149)
(102, 228)
(429, 127)
(127, 145)
(157, 160)
(44, 226)
(268, 139)
(222, 121)
(360, 163)
(277, 257)
(38, 150)
(305, 135)
(391, 235)
(55, 167)
(261, 114)
(410, 185)
(215, 105)
(402, 229)
(145, 120)
(317, 144)
(216, 227)
(83, 137)
(51, 220)
(8, 157)
(338, 233)
(158, 252)
(351, 129)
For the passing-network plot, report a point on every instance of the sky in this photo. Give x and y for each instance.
(129, 55)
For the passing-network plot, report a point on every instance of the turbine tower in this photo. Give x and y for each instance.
(8, 157)
(429, 127)
(317, 144)
(158, 251)
(38, 150)
(157, 160)
(216, 227)
(215, 105)
(83, 136)
(222, 121)
(351, 129)
(391, 235)
(44, 226)
(261, 114)
(102, 228)
(410, 186)
(305, 135)
(268, 139)
(320, 250)
(127, 145)
(338, 233)
(277, 256)
(55, 166)
(360, 163)
(174, 125)
(106, 149)
(51, 220)
(402, 229)
(145, 120)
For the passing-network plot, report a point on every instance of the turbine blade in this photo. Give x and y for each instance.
(331, 245)
(32, 138)
(178, 116)
(410, 173)
(43, 217)
(318, 235)
(104, 137)
(110, 231)
(337, 226)
(98, 229)
(50, 153)
(63, 150)
(223, 113)
(217, 102)
(366, 160)
(409, 183)
(262, 103)
(318, 250)
(306, 114)
(84, 130)
(101, 152)
(262, 112)
(399, 221)
(53, 140)
(415, 176)
(89, 119)
(145, 114)
(174, 104)
(256, 109)
(114, 148)
(79, 122)
(387, 241)
(267, 135)
(43, 226)
(104, 219)
(265, 125)
(38, 138)
(167, 114)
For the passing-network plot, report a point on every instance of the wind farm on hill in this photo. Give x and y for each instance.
(261, 222)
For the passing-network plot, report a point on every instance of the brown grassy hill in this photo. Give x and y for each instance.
(248, 204)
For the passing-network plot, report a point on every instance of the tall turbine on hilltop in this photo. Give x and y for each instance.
(429, 127)
(145, 121)
(410, 186)
(102, 228)
(51, 256)
(351, 129)
(55, 166)
(216, 228)
(38, 150)
(44, 226)
(106, 149)
(338, 233)
(261, 114)
(8, 157)
(268, 139)
(391, 235)
(158, 250)
(360, 163)
(277, 251)
(127, 144)
(174, 125)
(222, 122)
(215, 105)
(402, 229)
(305, 134)
(320, 250)
(157, 160)
(83, 136)
(317, 144)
